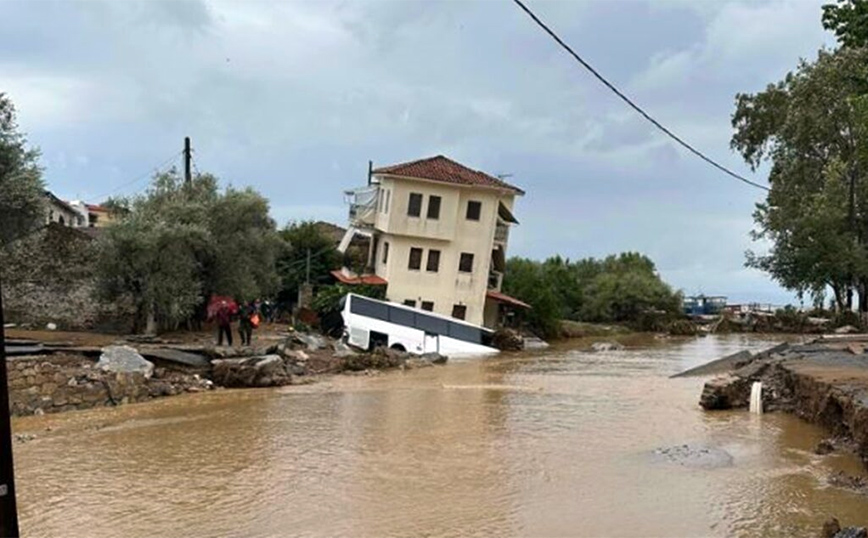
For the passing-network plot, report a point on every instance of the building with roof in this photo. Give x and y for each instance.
(59, 212)
(94, 215)
(439, 234)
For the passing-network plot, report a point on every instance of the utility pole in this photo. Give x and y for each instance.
(8, 509)
(188, 176)
(370, 172)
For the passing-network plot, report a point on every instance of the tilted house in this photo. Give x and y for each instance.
(439, 234)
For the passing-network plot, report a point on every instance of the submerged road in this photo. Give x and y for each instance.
(554, 443)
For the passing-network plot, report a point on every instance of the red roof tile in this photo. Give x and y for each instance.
(443, 169)
(504, 298)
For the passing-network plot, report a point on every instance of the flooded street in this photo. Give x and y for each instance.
(554, 443)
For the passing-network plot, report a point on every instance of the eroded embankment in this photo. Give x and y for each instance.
(824, 382)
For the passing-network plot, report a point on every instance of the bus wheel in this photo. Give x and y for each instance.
(399, 347)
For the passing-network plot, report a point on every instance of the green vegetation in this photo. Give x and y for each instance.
(177, 244)
(21, 187)
(301, 239)
(812, 128)
(618, 289)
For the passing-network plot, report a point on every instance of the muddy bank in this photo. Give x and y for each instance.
(824, 382)
(50, 378)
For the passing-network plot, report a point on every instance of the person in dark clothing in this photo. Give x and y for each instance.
(245, 324)
(224, 324)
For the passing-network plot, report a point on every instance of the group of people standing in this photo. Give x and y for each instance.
(250, 314)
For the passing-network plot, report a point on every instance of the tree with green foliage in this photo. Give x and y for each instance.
(848, 20)
(812, 128)
(619, 289)
(177, 244)
(22, 197)
(301, 239)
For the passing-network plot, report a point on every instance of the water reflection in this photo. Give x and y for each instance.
(545, 444)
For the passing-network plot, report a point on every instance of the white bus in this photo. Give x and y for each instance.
(369, 323)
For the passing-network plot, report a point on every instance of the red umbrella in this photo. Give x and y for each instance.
(218, 303)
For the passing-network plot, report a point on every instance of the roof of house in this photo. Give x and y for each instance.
(97, 207)
(506, 299)
(58, 202)
(446, 170)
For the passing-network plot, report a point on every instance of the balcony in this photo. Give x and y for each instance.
(495, 280)
(363, 205)
(501, 233)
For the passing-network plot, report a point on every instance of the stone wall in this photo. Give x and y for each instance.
(50, 277)
(67, 382)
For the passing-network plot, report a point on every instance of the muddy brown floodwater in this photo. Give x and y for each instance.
(554, 443)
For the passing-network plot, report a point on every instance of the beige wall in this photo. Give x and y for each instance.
(451, 234)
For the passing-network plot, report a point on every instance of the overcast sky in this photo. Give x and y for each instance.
(295, 98)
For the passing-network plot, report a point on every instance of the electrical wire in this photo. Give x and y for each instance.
(633, 105)
(140, 177)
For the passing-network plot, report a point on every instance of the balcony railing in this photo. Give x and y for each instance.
(363, 205)
(495, 280)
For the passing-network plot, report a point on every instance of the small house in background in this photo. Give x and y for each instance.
(438, 234)
(94, 215)
(59, 212)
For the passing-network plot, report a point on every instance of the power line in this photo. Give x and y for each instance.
(633, 105)
(140, 177)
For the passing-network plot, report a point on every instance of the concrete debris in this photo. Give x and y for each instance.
(124, 360)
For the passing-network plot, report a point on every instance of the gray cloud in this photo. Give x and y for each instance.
(294, 98)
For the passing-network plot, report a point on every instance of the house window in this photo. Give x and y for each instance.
(459, 311)
(433, 261)
(465, 264)
(434, 207)
(388, 199)
(410, 302)
(428, 305)
(415, 259)
(385, 252)
(474, 209)
(414, 208)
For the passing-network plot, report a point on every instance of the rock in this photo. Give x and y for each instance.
(852, 532)
(855, 348)
(826, 446)
(856, 484)
(725, 392)
(266, 371)
(532, 342)
(507, 340)
(830, 528)
(312, 341)
(846, 329)
(342, 349)
(124, 360)
(606, 346)
(698, 456)
(380, 359)
(176, 356)
(51, 326)
(434, 358)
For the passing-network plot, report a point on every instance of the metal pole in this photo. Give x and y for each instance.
(188, 175)
(8, 509)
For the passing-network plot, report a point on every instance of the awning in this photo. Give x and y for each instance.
(353, 280)
(505, 214)
(505, 299)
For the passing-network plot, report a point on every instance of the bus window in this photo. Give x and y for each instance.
(465, 333)
(364, 307)
(431, 324)
(401, 316)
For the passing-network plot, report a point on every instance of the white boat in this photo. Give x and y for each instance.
(370, 323)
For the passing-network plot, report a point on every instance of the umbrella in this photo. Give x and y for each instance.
(219, 302)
